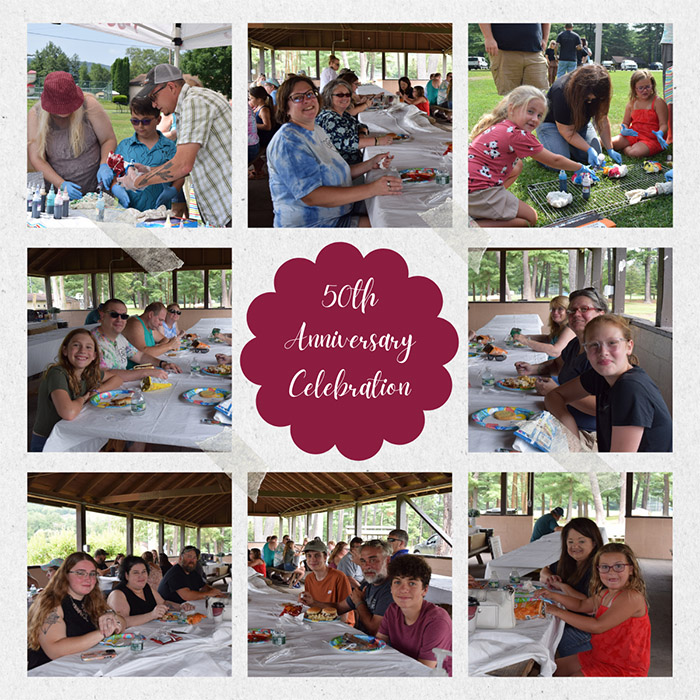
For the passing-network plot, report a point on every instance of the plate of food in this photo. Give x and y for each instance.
(517, 383)
(291, 609)
(259, 635)
(171, 617)
(418, 175)
(206, 395)
(501, 417)
(357, 643)
(316, 614)
(112, 399)
(217, 370)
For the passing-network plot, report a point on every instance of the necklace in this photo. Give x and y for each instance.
(79, 609)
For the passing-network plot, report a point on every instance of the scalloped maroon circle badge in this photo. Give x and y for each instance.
(349, 351)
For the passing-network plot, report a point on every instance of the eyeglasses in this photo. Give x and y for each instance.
(114, 314)
(604, 568)
(303, 97)
(175, 312)
(136, 122)
(81, 573)
(582, 309)
(392, 539)
(341, 94)
(643, 87)
(155, 92)
(596, 346)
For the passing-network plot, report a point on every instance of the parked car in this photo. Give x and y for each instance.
(429, 546)
(477, 63)
(628, 65)
(497, 511)
(655, 66)
(609, 65)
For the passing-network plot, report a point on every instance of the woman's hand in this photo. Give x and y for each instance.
(553, 581)
(105, 175)
(159, 611)
(379, 159)
(385, 140)
(186, 607)
(172, 368)
(387, 184)
(520, 338)
(74, 191)
(108, 624)
(544, 385)
(625, 131)
(592, 157)
(552, 609)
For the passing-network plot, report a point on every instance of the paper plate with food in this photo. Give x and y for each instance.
(259, 635)
(357, 643)
(418, 175)
(112, 399)
(501, 417)
(170, 617)
(317, 614)
(206, 395)
(217, 370)
(517, 383)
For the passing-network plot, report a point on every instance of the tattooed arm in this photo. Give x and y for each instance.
(180, 165)
(55, 643)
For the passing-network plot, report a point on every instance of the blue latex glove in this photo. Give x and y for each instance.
(660, 138)
(592, 157)
(586, 169)
(166, 196)
(668, 175)
(74, 191)
(105, 175)
(624, 131)
(121, 194)
(615, 156)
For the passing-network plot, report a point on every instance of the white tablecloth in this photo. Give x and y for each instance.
(490, 650)
(42, 348)
(424, 150)
(168, 419)
(485, 439)
(106, 582)
(205, 651)
(439, 590)
(307, 652)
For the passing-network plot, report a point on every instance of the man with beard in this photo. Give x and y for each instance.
(372, 598)
(182, 583)
(100, 560)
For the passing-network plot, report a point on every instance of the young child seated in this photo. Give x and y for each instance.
(420, 100)
(150, 147)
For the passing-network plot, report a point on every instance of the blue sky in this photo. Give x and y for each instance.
(91, 46)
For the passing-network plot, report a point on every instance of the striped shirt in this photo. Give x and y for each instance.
(204, 117)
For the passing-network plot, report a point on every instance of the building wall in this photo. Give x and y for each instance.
(480, 313)
(514, 530)
(650, 538)
(654, 350)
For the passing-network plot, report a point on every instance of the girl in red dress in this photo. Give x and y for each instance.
(620, 630)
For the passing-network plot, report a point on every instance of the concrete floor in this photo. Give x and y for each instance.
(658, 576)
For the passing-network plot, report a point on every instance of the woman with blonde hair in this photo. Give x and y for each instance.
(70, 615)
(69, 137)
(559, 335)
(552, 61)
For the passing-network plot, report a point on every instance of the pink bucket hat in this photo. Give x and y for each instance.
(61, 95)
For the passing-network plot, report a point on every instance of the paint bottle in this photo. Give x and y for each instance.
(36, 204)
(100, 208)
(586, 186)
(58, 206)
(43, 198)
(66, 203)
(563, 182)
(50, 197)
(30, 198)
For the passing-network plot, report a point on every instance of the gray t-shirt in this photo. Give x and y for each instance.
(349, 568)
(377, 599)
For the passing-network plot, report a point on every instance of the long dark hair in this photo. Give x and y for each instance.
(285, 90)
(569, 569)
(408, 92)
(588, 79)
(129, 563)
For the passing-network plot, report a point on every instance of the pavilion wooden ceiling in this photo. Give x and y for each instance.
(195, 499)
(413, 38)
(290, 493)
(79, 261)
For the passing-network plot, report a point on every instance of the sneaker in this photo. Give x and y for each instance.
(297, 585)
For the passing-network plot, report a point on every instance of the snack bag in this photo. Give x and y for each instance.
(544, 432)
(529, 609)
(150, 384)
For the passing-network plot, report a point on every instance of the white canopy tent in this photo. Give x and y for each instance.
(180, 37)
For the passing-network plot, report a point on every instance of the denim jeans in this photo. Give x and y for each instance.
(565, 67)
(573, 641)
(548, 135)
(37, 443)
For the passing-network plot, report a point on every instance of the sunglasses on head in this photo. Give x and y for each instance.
(114, 314)
(136, 122)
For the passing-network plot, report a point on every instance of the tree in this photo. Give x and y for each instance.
(98, 73)
(74, 64)
(120, 76)
(142, 60)
(83, 74)
(211, 65)
(49, 59)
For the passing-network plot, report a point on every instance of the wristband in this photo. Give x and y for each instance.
(160, 364)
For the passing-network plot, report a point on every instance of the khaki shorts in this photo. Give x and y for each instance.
(513, 68)
(493, 203)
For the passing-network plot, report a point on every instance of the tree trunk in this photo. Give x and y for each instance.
(442, 548)
(570, 505)
(645, 493)
(623, 498)
(647, 278)
(597, 500)
(88, 303)
(533, 280)
(667, 494)
(561, 281)
(573, 282)
(527, 287)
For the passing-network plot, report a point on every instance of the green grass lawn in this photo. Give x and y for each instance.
(652, 213)
(119, 116)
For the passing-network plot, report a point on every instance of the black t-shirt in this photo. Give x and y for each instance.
(76, 626)
(138, 606)
(575, 364)
(580, 53)
(551, 54)
(584, 581)
(558, 109)
(568, 41)
(176, 579)
(377, 599)
(632, 400)
(518, 37)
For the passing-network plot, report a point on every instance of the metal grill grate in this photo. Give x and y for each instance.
(607, 196)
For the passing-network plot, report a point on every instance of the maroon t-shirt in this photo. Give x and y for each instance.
(433, 628)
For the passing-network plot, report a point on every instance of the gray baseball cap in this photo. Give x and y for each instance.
(162, 73)
(54, 562)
